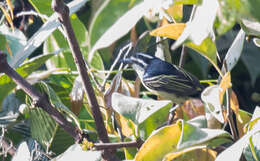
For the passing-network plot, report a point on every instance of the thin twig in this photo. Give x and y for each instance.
(128, 46)
(63, 12)
(100, 146)
(28, 13)
(39, 99)
(7, 147)
(229, 111)
(183, 55)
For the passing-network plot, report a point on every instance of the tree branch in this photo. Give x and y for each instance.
(100, 146)
(39, 99)
(63, 12)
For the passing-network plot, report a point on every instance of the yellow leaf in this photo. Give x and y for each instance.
(159, 144)
(124, 124)
(7, 16)
(11, 8)
(175, 11)
(242, 119)
(197, 154)
(172, 31)
(224, 85)
(234, 103)
(9, 49)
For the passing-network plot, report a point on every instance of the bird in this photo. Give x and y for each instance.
(167, 80)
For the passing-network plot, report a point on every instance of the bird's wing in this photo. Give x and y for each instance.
(180, 84)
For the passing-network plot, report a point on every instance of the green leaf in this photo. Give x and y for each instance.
(6, 84)
(112, 21)
(251, 59)
(146, 113)
(199, 121)
(43, 7)
(61, 141)
(2, 42)
(243, 8)
(252, 149)
(207, 49)
(177, 137)
(200, 62)
(225, 20)
(56, 102)
(43, 127)
(187, 1)
(195, 136)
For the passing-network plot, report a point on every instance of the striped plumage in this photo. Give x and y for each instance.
(165, 79)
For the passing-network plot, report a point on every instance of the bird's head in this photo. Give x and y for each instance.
(139, 62)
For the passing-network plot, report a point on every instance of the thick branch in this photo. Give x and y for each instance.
(63, 12)
(39, 99)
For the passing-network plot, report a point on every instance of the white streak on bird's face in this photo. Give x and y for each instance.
(139, 66)
(139, 62)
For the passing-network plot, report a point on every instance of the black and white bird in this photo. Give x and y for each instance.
(164, 79)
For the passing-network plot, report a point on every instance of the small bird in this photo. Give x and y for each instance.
(164, 79)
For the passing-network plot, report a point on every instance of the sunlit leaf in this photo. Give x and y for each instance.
(251, 27)
(178, 137)
(224, 85)
(238, 146)
(201, 25)
(42, 34)
(172, 31)
(146, 113)
(11, 8)
(242, 120)
(176, 12)
(234, 52)
(76, 96)
(210, 96)
(160, 143)
(187, 1)
(75, 151)
(7, 16)
(26, 150)
(199, 153)
(194, 136)
(104, 38)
